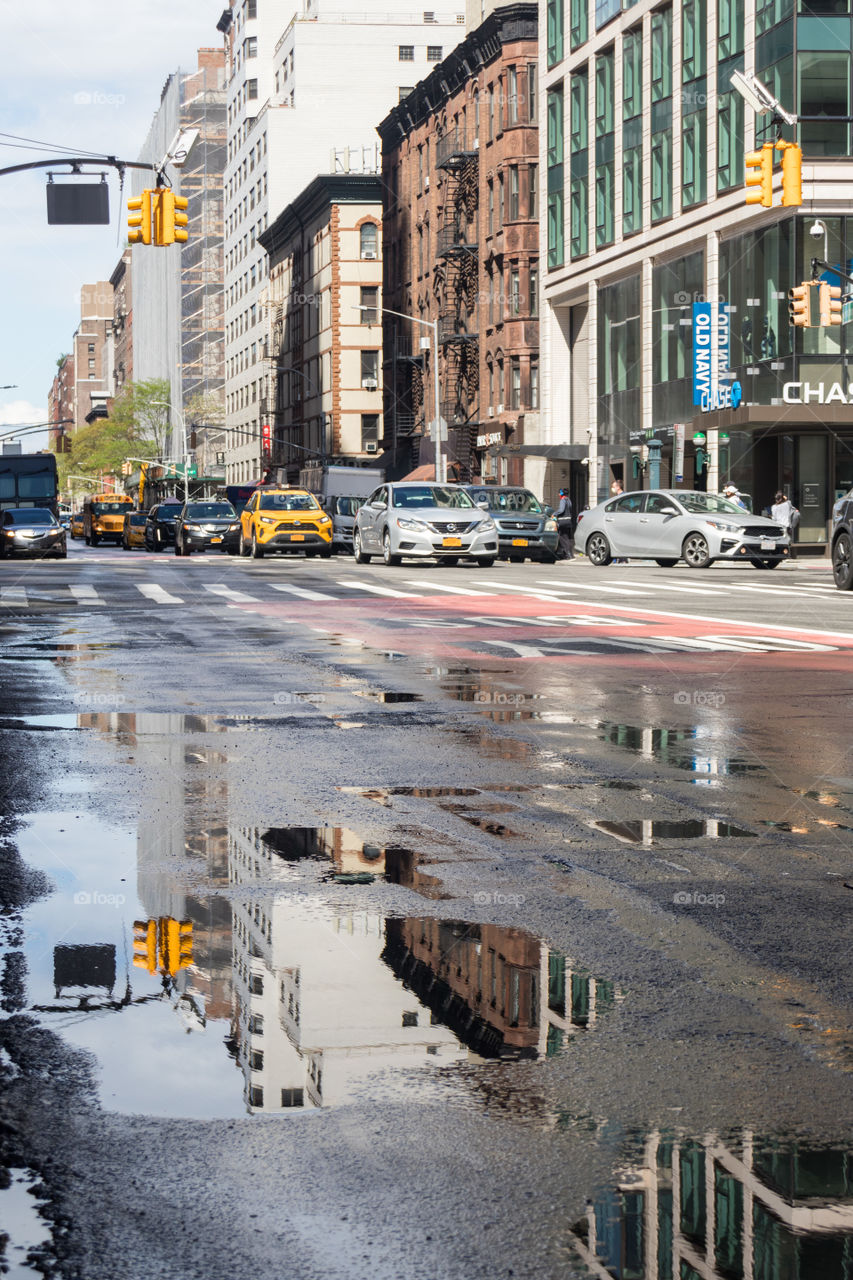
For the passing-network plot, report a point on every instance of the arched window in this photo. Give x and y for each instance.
(369, 240)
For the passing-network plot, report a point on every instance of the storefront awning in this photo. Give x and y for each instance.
(780, 418)
(552, 452)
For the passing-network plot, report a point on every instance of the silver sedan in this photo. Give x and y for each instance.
(423, 520)
(668, 525)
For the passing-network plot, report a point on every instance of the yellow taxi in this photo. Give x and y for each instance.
(281, 519)
(76, 529)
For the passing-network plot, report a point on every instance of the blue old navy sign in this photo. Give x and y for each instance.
(702, 368)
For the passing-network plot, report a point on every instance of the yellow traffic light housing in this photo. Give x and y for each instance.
(176, 944)
(145, 945)
(792, 173)
(804, 305)
(169, 219)
(759, 166)
(139, 218)
(830, 304)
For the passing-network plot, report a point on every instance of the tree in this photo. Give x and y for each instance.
(142, 410)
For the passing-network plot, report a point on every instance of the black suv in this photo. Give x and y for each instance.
(160, 526)
(201, 525)
(842, 543)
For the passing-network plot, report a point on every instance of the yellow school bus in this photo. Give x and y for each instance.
(103, 517)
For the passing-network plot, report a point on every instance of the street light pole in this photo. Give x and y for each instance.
(166, 405)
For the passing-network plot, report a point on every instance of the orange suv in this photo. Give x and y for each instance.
(277, 519)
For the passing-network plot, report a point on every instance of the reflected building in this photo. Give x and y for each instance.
(743, 1208)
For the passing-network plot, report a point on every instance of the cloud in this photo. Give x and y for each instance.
(16, 413)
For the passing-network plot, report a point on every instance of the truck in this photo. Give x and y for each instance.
(341, 491)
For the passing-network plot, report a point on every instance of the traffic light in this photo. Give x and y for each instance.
(145, 945)
(169, 219)
(193, 439)
(759, 166)
(804, 305)
(792, 173)
(830, 304)
(176, 944)
(139, 218)
(127, 468)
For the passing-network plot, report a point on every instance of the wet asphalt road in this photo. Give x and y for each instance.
(519, 915)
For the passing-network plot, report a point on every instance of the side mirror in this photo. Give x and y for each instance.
(669, 511)
(549, 511)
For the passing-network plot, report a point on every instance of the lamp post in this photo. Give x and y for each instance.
(440, 461)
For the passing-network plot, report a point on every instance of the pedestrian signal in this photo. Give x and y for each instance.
(139, 218)
(759, 174)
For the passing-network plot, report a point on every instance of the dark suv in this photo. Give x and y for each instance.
(203, 525)
(160, 526)
(842, 543)
(526, 528)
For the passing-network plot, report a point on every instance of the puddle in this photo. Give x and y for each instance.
(383, 794)
(388, 696)
(645, 830)
(801, 829)
(28, 1235)
(668, 746)
(253, 985)
(735, 1204)
(40, 723)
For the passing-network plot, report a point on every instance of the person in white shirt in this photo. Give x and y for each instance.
(785, 513)
(731, 492)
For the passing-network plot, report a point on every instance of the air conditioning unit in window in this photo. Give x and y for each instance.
(371, 446)
(426, 183)
(369, 253)
(500, 408)
(369, 384)
(491, 412)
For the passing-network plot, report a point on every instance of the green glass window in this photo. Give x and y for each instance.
(730, 141)
(693, 154)
(632, 74)
(619, 340)
(729, 28)
(556, 248)
(579, 124)
(605, 168)
(604, 93)
(555, 126)
(769, 12)
(661, 86)
(694, 35)
(580, 999)
(824, 91)
(661, 174)
(557, 982)
(579, 23)
(692, 1181)
(579, 191)
(632, 131)
(579, 213)
(605, 197)
(728, 1224)
(555, 29)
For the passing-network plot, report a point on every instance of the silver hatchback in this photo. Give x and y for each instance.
(668, 525)
(423, 520)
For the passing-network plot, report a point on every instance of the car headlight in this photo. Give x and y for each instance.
(269, 520)
(550, 526)
(417, 526)
(488, 523)
(192, 528)
(324, 520)
(721, 525)
(233, 527)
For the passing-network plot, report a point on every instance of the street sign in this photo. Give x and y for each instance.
(441, 434)
(181, 469)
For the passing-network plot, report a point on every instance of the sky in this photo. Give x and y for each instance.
(82, 77)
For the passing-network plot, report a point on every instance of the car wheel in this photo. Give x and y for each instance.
(94, 540)
(326, 553)
(547, 557)
(125, 544)
(257, 550)
(666, 564)
(62, 555)
(387, 554)
(485, 562)
(696, 551)
(358, 552)
(598, 550)
(842, 562)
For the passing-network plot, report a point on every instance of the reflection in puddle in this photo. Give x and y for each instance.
(255, 992)
(668, 747)
(645, 830)
(735, 1205)
(388, 695)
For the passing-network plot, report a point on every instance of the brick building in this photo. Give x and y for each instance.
(461, 232)
(122, 332)
(84, 378)
(60, 401)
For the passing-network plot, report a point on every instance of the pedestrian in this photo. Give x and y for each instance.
(615, 490)
(565, 527)
(732, 493)
(785, 513)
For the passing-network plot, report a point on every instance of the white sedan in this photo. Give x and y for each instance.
(668, 525)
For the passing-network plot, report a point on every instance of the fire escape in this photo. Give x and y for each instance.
(456, 284)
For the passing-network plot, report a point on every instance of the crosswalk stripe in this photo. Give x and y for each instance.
(302, 592)
(157, 593)
(239, 597)
(613, 591)
(444, 589)
(14, 596)
(377, 590)
(539, 594)
(86, 595)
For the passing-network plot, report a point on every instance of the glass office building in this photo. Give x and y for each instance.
(646, 217)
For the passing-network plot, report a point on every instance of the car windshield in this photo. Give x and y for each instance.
(430, 495)
(108, 508)
(138, 517)
(288, 502)
(210, 511)
(29, 515)
(168, 513)
(348, 506)
(508, 499)
(699, 504)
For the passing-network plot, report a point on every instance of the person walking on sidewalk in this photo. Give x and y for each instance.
(565, 527)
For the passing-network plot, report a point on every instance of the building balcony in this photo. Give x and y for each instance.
(456, 149)
(457, 239)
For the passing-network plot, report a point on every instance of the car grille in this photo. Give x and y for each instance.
(296, 524)
(518, 524)
(762, 531)
(452, 526)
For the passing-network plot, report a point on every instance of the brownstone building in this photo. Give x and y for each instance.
(60, 401)
(122, 332)
(461, 240)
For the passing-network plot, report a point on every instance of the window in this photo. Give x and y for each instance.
(632, 131)
(256, 1096)
(256, 1060)
(533, 290)
(369, 430)
(555, 20)
(533, 192)
(513, 193)
(251, 8)
(370, 370)
(532, 93)
(369, 240)
(661, 113)
(250, 47)
(534, 384)
(514, 291)
(579, 21)
(433, 53)
(555, 177)
(515, 383)
(501, 217)
(256, 984)
(292, 1098)
(251, 88)
(370, 304)
(605, 168)
(491, 112)
(406, 53)
(404, 91)
(491, 214)
(512, 95)
(91, 348)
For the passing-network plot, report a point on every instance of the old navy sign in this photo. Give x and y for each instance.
(816, 393)
(711, 374)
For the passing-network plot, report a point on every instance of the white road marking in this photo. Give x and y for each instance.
(239, 597)
(158, 594)
(356, 585)
(615, 591)
(86, 595)
(302, 592)
(13, 596)
(537, 593)
(444, 589)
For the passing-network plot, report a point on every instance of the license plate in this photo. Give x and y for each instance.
(297, 537)
(451, 542)
(767, 545)
(215, 539)
(519, 542)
